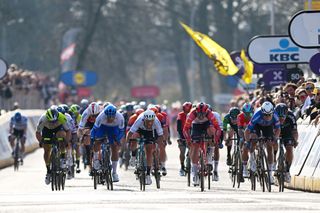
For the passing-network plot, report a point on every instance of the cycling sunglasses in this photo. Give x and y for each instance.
(267, 115)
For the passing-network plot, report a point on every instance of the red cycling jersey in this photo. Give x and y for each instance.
(192, 118)
(242, 121)
(182, 117)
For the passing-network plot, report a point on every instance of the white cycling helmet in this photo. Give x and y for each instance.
(267, 108)
(149, 115)
(94, 108)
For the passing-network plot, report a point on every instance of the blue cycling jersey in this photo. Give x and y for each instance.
(257, 119)
(19, 125)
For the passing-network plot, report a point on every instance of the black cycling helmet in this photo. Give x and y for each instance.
(65, 107)
(61, 109)
(234, 112)
(129, 107)
(281, 110)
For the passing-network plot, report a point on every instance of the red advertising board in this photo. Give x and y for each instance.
(84, 92)
(145, 91)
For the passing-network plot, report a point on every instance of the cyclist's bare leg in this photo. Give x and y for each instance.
(11, 139)
(270, 154)
(289, 156)
(182, 149)
(115, 147)
(23, 142)
(62, 143)
(162, 155)
(47, 155)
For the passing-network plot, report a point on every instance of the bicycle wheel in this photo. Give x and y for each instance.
(281, 173)
(265, 170)
(233, 170)
(238, 168)
(53, 176)
(201, 172)
(63, 180)
(110, 179)
(188, 170)
(209, 174)
(156, 170)
(253, 180)
(95, 179)
(16, 156)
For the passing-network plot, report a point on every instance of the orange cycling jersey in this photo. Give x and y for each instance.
(242, 121)
(131, 121)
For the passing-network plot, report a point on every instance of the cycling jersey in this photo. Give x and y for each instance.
(288, 126)
(242, 121)
(87, 119)
(257, 119)
(71, 123)
(131, 121)
(114, 130)
(218, 117)
(19, 125)
(193, 120)
(44, 123)
(227, 120)
(139, 124)
(181, 120)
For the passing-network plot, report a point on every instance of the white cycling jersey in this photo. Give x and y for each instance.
(218, 117)
(71, 123)
(139, 124)
(86, 117)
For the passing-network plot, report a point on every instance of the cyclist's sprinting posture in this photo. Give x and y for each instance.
(86, 124)
(265, 120)
(133, 142)
(289, 134)
(201, 122)
(18, 128)
(50, 123)
(74, 112)
(181, 120)
(230, 119)
(109, 123)
(148, 127)
(243, 120)
(216, 149)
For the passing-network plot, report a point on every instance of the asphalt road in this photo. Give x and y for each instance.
(25, 191)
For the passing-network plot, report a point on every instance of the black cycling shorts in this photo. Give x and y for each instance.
(49, 133)
(199, 130)
(89, 125)
(18, 133)
(149, 136)
(267, 131)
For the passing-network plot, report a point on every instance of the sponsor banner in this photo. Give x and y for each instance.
(79, 78)
(315, 64)
(278, 50)
(304, 29)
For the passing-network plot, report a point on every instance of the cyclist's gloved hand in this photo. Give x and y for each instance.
(220, 145)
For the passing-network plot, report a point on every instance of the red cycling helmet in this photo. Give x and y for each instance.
(139, 111)
(186, 107)
(201, 108)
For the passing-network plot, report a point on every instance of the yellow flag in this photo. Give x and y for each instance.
(214, 51)
(248, 68)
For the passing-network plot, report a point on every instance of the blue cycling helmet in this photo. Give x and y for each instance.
(61, 109)
(110, 111)
(247, 108)
(17, 116)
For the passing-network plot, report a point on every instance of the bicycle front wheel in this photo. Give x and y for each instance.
(201, 172)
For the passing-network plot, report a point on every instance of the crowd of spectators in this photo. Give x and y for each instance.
(21, 81)
(302, 98)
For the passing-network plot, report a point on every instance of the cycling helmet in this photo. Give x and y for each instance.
(201, 107)
(209, 107)
(267, 108)
(149, 115)
(61, 109)
(65, 107)
(158, 108)
(52, 115)
(94, 108)
(186, 107)
(281, 109)
(84, 103)
(74, 108)
(234, 112)
(110, 111)
(17, 116)
(247, 108)
(154, 109)
(129, 107)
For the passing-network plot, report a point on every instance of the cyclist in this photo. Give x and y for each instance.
(74, 112)
(162, 117)
(230, 119)
(83, 105)
(289, 134)
(86, 124)
(149, 127)
(133, 142)
(50, 123)
(200, 121)
(127, 113)
(265, 120)
(109, 123)
(216, 147)
(181, 120)
(243, 120)
(18, 128)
